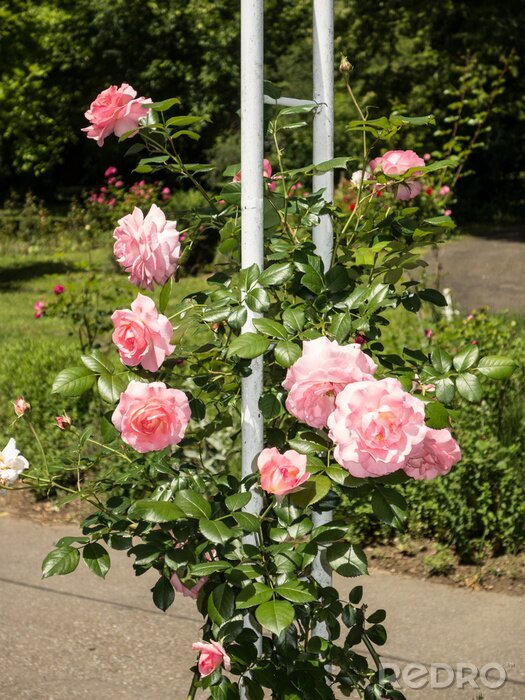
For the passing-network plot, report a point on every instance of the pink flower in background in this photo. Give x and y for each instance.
(361, 176)
(434, 456)
(112, 202)
(147, 247)
(40, 309)
(444, 190)
(322, 371)
(429, 333)
(447, 212)
(192, 592)
(115, 111)
(142, 335)
(360, 339)
(165, 193)
(58, 289)
(375, 427)
(118, 184)
(267, 171)
(63, 422)
(426, 156)
(151, 417)
(281, 473)
(110, 171)
(21, 406)
(212, 655)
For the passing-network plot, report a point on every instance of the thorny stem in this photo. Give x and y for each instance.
(110, 449)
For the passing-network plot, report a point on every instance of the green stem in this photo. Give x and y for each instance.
(373, 652)
(110, 449)
(40, 447)
(193, 687)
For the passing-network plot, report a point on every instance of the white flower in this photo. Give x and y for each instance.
(12, 463)
(360, 176)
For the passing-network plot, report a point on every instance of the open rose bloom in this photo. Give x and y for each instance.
(151, 416)
(212, 655)
(434, 456)
(115, 111)
(398, 163)
(142, 335)
(375, 427)
(282, 474)
(12, 464)
(322, 371)
(147, 247)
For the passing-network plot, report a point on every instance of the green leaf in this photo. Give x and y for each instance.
(276, 274)
(216, 531)
(301, 109)
(183, 121)
(467, 358)
(163, 105)
(347, 559)
(286, 353)
(192, 504)
(111, 386)
(390, 507)
(468, 387)
(307, 447)
(209, 567)
(441, 360)
(163, 593)
(296, 592)
(313, 281)
(97, 362)
(253, 594)
(60, 561)
(238, 317)
(275, 615)
(445, 390)
(327, 165)
(437, 416)
(341, 326)
(270, 406)
(155, 511)
(248, 346)
(247, 521)
(97, 558)
(270, 327)
(237, 500)
(433, 296)
(496, 366)
(164, 296)
(221, 604)
(294, 318)
(74, 381)
(311, 491)
(258, 300)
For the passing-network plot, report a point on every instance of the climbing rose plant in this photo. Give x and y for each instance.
(346, 422)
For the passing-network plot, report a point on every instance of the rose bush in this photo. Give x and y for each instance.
(343, 417)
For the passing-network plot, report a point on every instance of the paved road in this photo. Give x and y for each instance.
(78, 637)
(483, 272)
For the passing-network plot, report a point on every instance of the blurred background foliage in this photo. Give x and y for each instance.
(456, 59)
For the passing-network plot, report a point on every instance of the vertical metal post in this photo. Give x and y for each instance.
(323, 94)
(323, 150)
(252, 243)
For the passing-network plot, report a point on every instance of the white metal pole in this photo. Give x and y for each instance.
(252, 244)
(323, 150)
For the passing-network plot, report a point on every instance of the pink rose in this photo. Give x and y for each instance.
(267, 172)
(282, 473)
(40, 309)
(59, 289)
(111, 170)
(323, 370)
(115, 110)
(192, 592)
(63, 422)
(212, 655)
(447, 212)
(434, 456)
(443, 191)
(426, 156)
(375, 427)
(397, 163)
(142, 335)
(147, 247)
(151, 417)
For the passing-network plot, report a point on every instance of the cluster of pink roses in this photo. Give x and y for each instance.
(376, 426)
